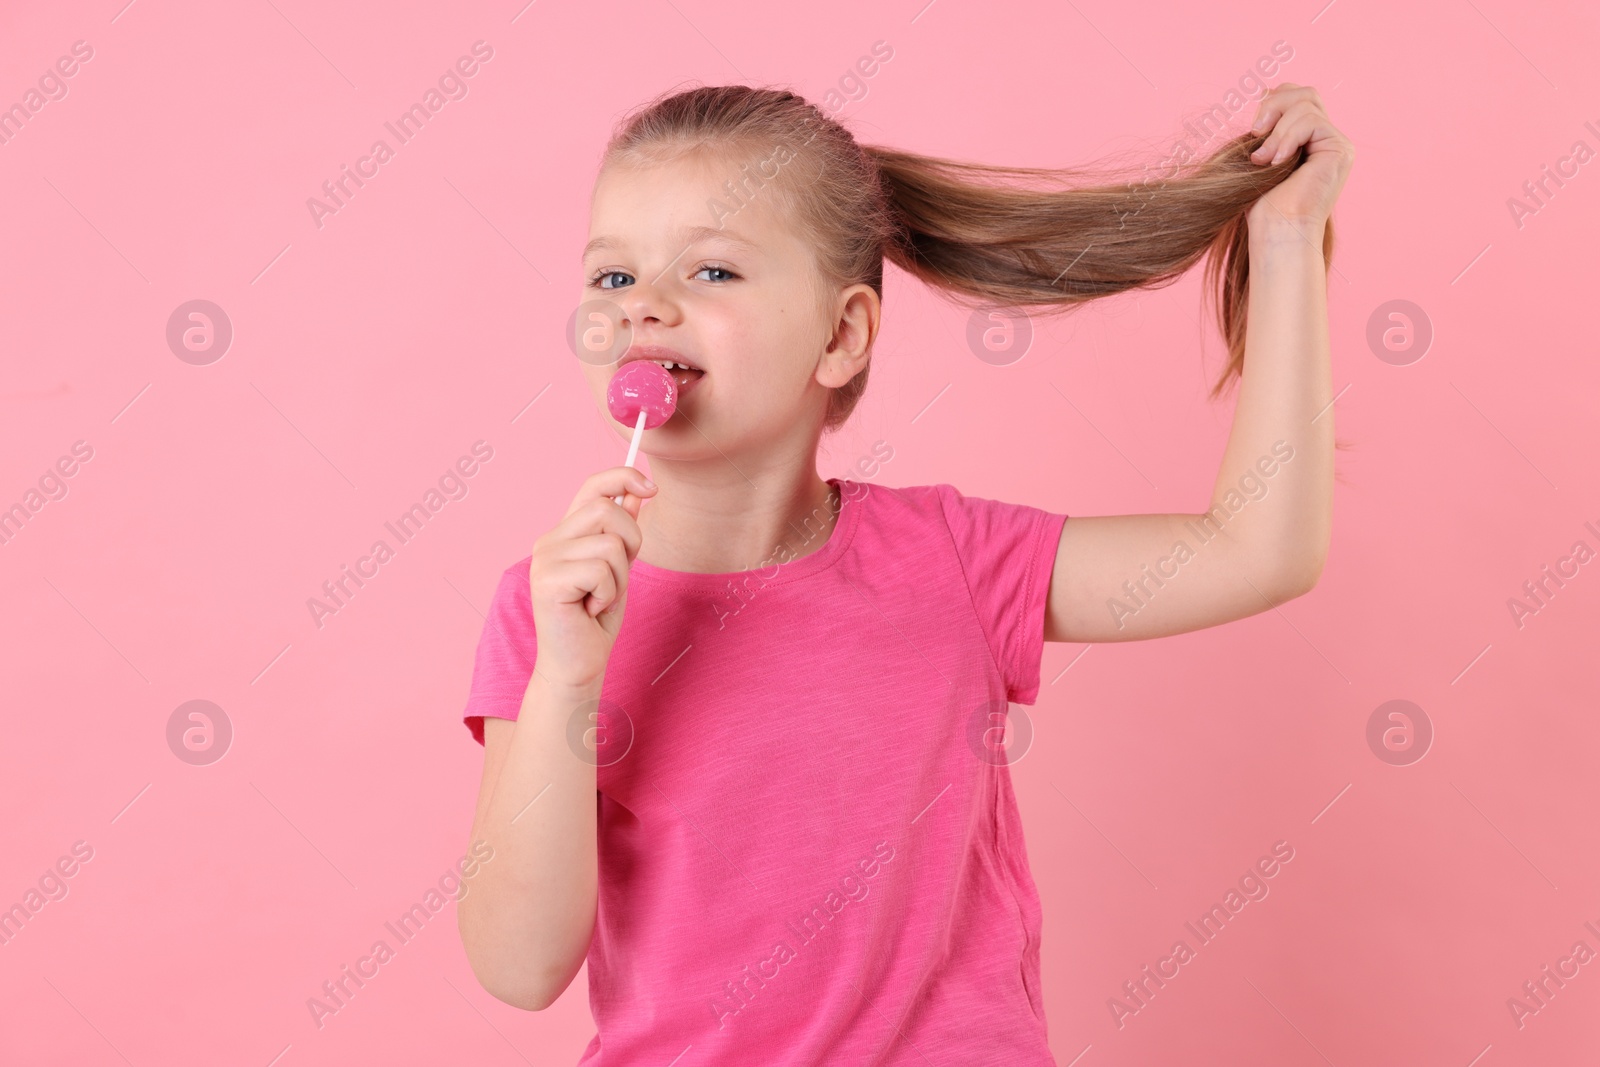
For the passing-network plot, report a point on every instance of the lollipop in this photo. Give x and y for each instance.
(644, 394)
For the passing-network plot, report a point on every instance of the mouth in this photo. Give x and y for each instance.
(681, 373)
(684, 373)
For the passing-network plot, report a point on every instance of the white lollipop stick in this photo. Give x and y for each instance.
(633, 448)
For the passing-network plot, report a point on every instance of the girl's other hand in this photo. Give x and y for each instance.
(578, 576)
(1294, 116)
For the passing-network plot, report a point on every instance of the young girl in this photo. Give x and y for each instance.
(770, 809)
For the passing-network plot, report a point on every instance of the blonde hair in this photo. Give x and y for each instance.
(968, 228)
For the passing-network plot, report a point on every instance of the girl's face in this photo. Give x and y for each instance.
(731, 289)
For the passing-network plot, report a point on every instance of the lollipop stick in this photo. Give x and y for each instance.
(633, 449)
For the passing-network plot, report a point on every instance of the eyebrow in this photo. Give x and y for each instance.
(688, 235)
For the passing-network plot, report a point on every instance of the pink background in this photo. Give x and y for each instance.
(370, 353)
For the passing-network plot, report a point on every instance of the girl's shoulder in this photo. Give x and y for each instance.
(938, 502)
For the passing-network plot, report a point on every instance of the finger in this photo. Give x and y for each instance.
(608, 548)
(577, 581)
(593, 579)
(609, 483)
(1284, 94)
(1278, 101)
(604, 598)
(1269, 123)
(1287, 136)
(602, 516)
(1307, 127)
(1292, 130)
(1267, 111)
(631, 504)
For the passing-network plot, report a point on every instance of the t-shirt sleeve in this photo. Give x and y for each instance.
(505, 657)
(1007, 552)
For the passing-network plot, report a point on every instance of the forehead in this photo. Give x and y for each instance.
(696, 197)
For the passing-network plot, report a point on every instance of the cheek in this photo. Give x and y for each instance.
(782, 388)
(781, 365)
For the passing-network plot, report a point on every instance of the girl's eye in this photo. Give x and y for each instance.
(601, 275)
(598, 279)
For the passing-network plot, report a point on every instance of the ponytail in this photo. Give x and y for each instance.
(988, 236)
(970, 229)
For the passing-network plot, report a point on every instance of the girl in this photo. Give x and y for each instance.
(770, 811)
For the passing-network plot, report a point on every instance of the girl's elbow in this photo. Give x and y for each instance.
(520, 984)
(1299, 576)
(520, 990)
(532, 1000)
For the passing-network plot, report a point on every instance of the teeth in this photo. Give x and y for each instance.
(670, 365)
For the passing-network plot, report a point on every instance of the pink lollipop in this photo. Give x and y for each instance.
(644, 394)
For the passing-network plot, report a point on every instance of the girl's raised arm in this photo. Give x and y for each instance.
(1264, 541)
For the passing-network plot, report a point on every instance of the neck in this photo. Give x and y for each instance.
(717, 521)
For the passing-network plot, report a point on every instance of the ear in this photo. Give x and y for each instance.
(854, 330)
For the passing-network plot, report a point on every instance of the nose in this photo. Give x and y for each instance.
(645, 303)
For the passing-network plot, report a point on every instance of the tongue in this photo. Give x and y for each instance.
(685, 375)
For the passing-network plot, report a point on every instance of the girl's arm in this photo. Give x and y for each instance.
(527, 922)
(1272, 509)
(529, 919)
(1264, 540)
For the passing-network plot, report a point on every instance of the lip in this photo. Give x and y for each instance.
(657, 352)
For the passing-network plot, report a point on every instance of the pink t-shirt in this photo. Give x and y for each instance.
(809, 848)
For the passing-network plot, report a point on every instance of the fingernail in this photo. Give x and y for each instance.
(648, 484)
